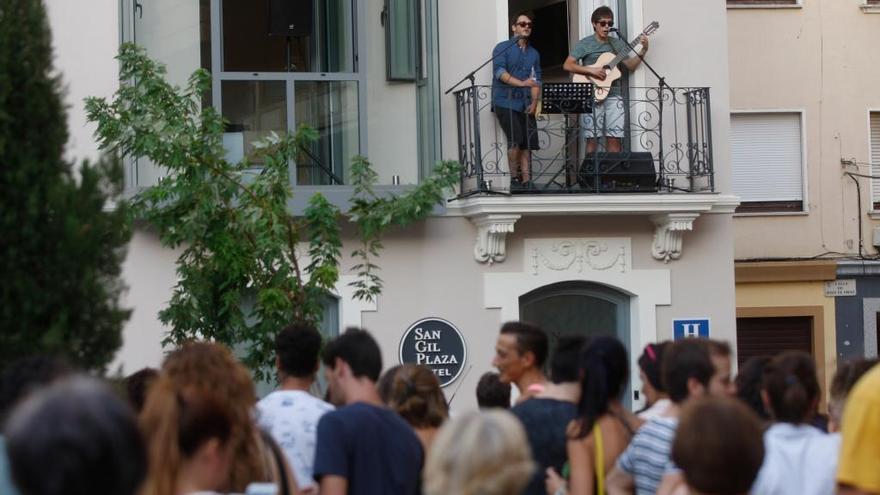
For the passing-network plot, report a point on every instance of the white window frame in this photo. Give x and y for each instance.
(870, 8)
(875, 214)
(798, 5)
(802, 114)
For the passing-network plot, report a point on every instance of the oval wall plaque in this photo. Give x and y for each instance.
(437, 344)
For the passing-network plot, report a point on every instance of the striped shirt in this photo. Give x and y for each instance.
(647, 457)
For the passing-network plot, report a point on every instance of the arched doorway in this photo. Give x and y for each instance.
(579, 308)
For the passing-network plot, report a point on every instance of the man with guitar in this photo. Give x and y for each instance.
(517, 77)
(607, 118)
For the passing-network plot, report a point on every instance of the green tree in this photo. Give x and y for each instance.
(60, 246)
(243, 273)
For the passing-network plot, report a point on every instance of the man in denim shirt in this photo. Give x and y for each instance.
(516, 79)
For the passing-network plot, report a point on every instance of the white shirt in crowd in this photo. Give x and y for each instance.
(657, 409)
(798, 460)
(291, 417)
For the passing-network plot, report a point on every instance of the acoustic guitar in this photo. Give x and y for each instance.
(608, 62)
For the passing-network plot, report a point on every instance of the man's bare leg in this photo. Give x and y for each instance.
(524, 158)
(513, 160)
(613, 144)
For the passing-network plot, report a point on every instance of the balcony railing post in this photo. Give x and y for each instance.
(710, 168)
(478, 151)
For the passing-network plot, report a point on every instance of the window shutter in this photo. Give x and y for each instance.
(403, 48)
(875, 157)
(766, 156)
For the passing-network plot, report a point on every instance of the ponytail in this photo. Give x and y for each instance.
(604, 371)
(791, 386)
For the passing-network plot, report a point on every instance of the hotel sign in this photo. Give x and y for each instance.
(437, 344)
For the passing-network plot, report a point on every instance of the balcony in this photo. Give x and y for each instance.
(660, 165)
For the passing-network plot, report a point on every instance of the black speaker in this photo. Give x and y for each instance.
(290, 17)
(618, 172)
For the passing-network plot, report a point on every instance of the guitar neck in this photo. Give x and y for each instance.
(622, 55)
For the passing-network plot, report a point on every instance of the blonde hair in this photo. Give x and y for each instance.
(413, 392)
(485, 453)
(199, 372)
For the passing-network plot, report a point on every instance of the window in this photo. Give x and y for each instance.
(875, 157)
(402, 39)
(770, 336)
(762, 2)
(766, 152)
(271, 77)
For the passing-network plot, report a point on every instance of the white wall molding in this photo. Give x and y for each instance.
(647, 289)
(669, 232)
(492, 230)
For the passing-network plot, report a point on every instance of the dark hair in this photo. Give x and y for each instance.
(686, 359)
(719, 348)
(137, 385)
(604, 371)
(748, 384)
(565, 365)
(492, 393)
(413, 391)
(25, 375)
(529, 338)
(718, 445)
(90, 434)
(848, 373)
(297, 347)
(359, 350)
(791, 386)
(651, 364)
(521, 13)
(601, 13)
(201, 418)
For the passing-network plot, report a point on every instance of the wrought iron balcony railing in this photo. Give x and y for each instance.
(664, 144)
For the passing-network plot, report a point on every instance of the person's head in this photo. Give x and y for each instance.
(790, 389)
(203, 367)
(650, 372)
(189, 430)
(351, 359)
(75, 437)
(565, 362)
(26, 375)
(687, 369)
(521, 347)
(748, 384)
(413, 391)
(604, 371)
(137, 385)
(522, 23)
(721, 355)
(296, 351)
(479, 453)
(718, 445)
(602, 20)
(848, 373)
(492, 393)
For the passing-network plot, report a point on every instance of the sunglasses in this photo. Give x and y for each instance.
(606, 23)
(524, 24)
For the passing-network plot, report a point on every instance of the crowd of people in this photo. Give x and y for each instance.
(196, 426)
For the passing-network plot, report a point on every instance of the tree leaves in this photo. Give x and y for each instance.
(241, 278)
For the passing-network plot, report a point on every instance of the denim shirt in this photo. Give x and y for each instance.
(519, 63)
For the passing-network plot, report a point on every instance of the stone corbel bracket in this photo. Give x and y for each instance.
(669, 229)
(492, 230)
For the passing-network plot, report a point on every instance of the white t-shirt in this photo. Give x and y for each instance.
(798, 460)
(657, 409)
(291, 417)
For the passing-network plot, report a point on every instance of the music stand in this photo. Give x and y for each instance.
(567, 97)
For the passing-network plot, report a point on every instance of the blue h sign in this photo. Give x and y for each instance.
(688, 329)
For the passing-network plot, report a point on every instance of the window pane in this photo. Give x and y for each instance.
(402, 39)
(765, 156)
(248, 46)
(331, 108)
(253, 109)
(173, 32)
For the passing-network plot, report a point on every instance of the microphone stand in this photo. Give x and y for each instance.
(470, 77)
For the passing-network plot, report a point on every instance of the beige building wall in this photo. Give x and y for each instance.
(818, 59)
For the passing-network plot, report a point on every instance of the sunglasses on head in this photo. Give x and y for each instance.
(606, 23)
(524, 24)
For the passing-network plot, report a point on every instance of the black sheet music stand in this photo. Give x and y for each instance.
(567, 97)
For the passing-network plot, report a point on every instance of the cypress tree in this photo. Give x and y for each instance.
(61, 245)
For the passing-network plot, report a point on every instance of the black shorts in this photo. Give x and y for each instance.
(520, 128)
